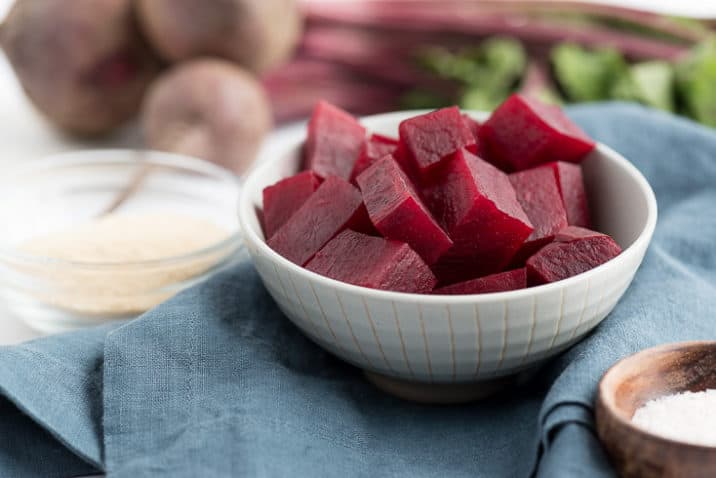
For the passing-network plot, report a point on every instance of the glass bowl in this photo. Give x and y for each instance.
(71, 189)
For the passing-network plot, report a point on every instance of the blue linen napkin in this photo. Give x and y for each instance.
(217, 383)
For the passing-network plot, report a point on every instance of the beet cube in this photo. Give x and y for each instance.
(472, 124)
(397, 211)
(402, 158)
(572, 233)
(574, 195)
(336, 205)
(474, 127)
(574, 251)
(373, 262)
(285, 198)
(477, 205)
(502, 281)
(538, 194)
(429, 139)
(523, 132)
(334, 141)
(375, 148)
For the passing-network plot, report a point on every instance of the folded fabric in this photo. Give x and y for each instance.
(217, 383)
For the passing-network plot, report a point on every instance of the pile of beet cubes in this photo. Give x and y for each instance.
(451, 207)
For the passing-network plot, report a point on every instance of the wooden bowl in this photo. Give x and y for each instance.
(649, 374)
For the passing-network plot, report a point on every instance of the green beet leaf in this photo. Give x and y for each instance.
(696, 82)
(650, 83)
(486, 74)
(586, 75)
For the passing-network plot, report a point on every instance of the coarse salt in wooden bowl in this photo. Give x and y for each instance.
(647, 375)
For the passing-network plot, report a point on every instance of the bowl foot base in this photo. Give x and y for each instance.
(439, 393)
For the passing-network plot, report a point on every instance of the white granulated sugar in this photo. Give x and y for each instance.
(687, 417)
(122, 240)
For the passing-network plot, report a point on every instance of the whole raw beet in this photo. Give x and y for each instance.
(208, 108)
(258, 34)
(83, 63)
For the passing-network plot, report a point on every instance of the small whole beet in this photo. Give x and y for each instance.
(83, 63)
(207, 108)
(258, 34)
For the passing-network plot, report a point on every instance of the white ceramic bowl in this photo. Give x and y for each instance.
(403, 340)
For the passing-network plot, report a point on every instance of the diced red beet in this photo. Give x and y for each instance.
(584, 250)
(285, 198)
(474, 127)
(477, 205)
(472, 124)
(373, 262)
(397, 211)
(335, 206)
(573, 233)
(374, 148)
(401, 157)
(428, 140)
(334, 141)
(538, 194)
(574, 194)
(500, 282)
(523, 132)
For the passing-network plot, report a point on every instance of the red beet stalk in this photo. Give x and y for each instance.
(399, 17)
(536, 80)
(373, 54)
(652, 21)
(297, 86)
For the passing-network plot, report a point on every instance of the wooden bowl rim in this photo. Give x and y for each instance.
(606, 401)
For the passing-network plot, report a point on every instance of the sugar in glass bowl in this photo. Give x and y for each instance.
(66, 192)
(455, 348)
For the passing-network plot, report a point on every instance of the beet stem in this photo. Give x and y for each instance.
(387, 15)
(653, 21)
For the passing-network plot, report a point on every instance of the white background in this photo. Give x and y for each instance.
(25, 136)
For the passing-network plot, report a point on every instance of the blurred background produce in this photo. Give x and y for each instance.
(83, 63)
(92, 67)
(256, 34)
(89, 66)
(475, 54)
(207, 108)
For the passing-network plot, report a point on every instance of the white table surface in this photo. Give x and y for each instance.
(24, 135)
